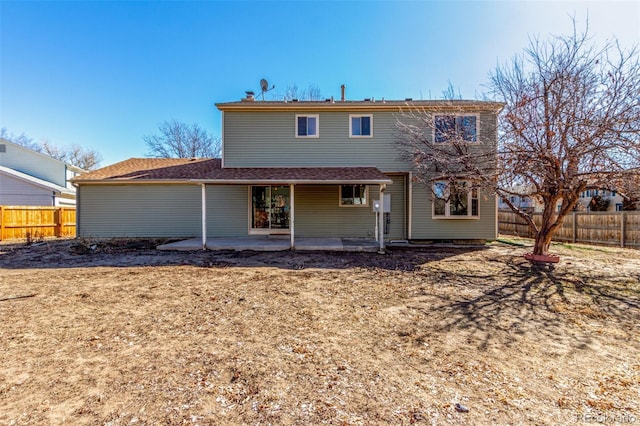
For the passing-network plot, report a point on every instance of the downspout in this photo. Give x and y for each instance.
(381, 219)
(204, 216)
(78, 228)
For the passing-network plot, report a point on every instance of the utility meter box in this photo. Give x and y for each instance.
(387, 204)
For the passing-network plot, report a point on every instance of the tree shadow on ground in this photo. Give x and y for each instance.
(524, 300)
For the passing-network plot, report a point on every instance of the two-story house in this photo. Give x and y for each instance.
(615, 200)
(30, 178)
(300, 169)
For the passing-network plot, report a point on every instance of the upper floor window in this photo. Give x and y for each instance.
(353, 196)
(457, 201)
(307, 126)
(360, 126)
(448, 127)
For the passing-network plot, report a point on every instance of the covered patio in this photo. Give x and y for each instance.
(275, 208)
(270, 243)
(284, 181)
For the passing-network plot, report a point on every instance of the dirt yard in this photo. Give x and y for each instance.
(122, 334)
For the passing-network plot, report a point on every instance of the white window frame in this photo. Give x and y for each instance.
(317, 117)
(351, 117)
(447, 207)
(366, 195)
(457, 114)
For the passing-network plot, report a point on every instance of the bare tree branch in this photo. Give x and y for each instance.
(311, 93)
(180, 140)
(571, 122)
(84, 158)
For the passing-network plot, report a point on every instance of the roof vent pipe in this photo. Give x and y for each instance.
(342, 87)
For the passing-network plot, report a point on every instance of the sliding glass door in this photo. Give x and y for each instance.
(270, 208)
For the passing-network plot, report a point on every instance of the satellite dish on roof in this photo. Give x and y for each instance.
(264, 86)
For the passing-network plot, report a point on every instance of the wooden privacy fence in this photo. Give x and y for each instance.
(601, 228)
(29, 222)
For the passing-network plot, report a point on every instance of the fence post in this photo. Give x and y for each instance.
(575, 228)
(57, 218)
(1, 223)
(623, 217)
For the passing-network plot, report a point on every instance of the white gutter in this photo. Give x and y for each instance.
(232, 182)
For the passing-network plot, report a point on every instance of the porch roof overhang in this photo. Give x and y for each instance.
(209, 171)
(299, 176)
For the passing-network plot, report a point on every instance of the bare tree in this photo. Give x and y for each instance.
(599, 204)
(180, 140)
(20, 139)
(311, 93)
(451, 93)
(87, 159)
(571, 121)
(84, 158)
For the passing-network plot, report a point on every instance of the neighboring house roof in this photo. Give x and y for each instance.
(40, 154)
(37, 182)
(383, 105)
(205, 170)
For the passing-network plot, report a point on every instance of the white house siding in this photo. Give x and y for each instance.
(139, 211)
(33, 163)
(425, 227)
(65, 202)
(17, 192)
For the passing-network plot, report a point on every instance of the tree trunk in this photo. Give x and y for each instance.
(542, 242)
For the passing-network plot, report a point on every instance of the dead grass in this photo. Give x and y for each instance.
(133, 336)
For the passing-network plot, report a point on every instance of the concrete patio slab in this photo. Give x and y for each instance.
(237, 244)
(326, 244)
(255, 244)
(274, 244)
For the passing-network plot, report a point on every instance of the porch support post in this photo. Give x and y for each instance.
(381, 219)
(291, 215)
(204, 216)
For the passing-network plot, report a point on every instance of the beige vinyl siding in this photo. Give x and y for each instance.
(227, 211)
(267, 139)
(425, 227)
(139, 211)
(317, 214)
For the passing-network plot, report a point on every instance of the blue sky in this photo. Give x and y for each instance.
(104, 74)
